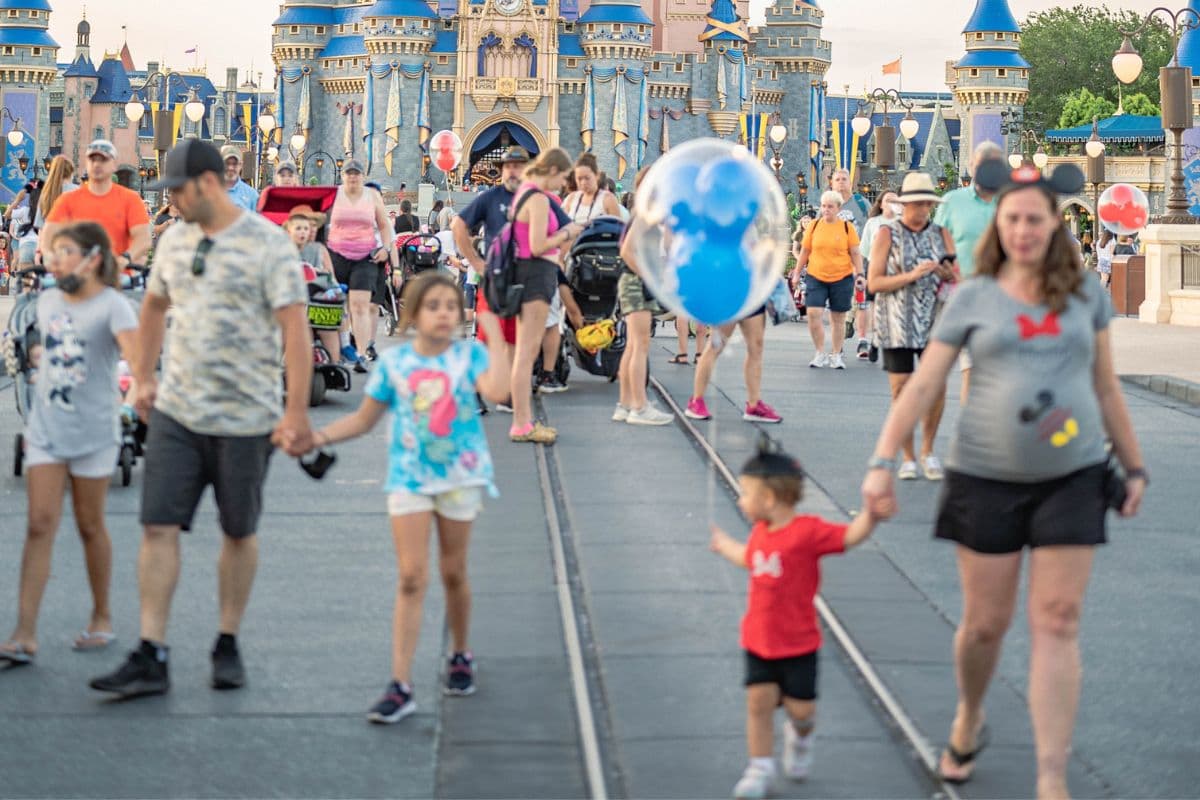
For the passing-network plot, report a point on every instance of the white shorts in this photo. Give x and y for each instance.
(460, 505)
(964, 360)
(555, 317)
(99, 464)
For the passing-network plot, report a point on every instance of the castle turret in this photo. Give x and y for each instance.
(83, 39)
(1188, 55)
(992, 76)
(28, 66)
(791, 47)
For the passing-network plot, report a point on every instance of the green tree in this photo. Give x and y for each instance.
(1082, 107)
(1140, 106)
(1069, 49)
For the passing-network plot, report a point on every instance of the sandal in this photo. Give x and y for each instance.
(14, 654)
(960, 759)
(93, 640)
(696, 360)
(680, 358)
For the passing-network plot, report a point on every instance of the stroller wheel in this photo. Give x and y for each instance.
(316, 391)
(18, 455)
(125, 461)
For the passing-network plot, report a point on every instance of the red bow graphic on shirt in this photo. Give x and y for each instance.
(1030, 329)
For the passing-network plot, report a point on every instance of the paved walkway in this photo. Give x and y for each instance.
(659, 613)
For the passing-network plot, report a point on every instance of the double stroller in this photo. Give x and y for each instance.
(22, 346)
(419, 252)
(593, 268)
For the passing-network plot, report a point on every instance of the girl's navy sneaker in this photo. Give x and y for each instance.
(460, 677)
(396, 704)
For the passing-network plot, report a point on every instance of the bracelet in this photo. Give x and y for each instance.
(879, 462)
(1138, 472)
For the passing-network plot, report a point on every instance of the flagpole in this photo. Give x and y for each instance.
(845, 123)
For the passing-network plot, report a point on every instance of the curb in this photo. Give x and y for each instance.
(1175, 388)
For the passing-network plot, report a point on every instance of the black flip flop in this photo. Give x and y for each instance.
(960, 759)
(680, 358)
(16, 656)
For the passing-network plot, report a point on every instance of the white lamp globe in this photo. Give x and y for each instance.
(297, 141)
(1014, 160)
(134, 111)
(909, 128)
(778, 134)
(861, 125)
(194, 110)
(1040, 159)
(15, 137)
(266, 123)
(1094, 148)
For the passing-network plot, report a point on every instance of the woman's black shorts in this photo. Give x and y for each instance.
(796, 677)
(539, 277)
(359, 275)
(901, 360)
(997, 517)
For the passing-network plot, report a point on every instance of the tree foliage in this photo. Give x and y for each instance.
(1069, 49)
(1140, 106)
(1083, 106)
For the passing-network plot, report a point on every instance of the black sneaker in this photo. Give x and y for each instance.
(550, 384)
(483, 409)
(864, 350)
(227, 669)
(873, 354)
(360, 365)
(372, 355)
(396, 704)
(460, 677)
(141, 675)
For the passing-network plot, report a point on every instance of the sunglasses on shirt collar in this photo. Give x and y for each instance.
(198, 260)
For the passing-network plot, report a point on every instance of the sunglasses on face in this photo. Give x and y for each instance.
(202, 249)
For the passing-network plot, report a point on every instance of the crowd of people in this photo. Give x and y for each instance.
(985, 279)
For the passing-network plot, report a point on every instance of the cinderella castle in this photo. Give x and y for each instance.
(622, 78)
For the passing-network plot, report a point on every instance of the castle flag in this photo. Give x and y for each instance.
(393, 121)
(620, 126)
(892, 67)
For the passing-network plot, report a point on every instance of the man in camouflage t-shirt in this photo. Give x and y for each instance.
(233, 283)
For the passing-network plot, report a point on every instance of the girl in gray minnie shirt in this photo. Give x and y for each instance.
(72, 434)
(1027, 464)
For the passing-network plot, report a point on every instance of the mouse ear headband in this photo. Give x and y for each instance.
(769, 461)
(994, 175)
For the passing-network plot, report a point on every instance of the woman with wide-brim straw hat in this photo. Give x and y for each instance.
(910, 259)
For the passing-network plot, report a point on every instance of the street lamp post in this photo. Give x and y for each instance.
(142, 181)
(1175, 89)
(777, 136)
(885, 134)
(266, 125)
(15, 137)
(164, 121)
(1094, 149)
(802, 192)
(296, 145)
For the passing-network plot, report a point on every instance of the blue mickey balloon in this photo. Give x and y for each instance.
(711, 231)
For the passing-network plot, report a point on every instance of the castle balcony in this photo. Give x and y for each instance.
(415, 37)
(36, 72)
(486, 92)
(616, 41)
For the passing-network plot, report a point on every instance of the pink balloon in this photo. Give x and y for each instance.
(1110, 212)
(1121, 194)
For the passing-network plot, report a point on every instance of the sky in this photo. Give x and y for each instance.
(237, 33)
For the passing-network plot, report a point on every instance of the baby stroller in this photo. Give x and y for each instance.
(419, 252)
(593, 268)
(22, 345)
(326, 307)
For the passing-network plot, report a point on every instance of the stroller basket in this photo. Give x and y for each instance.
(420, 252)
(595, 272)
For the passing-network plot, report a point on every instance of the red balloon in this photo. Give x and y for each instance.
(445, 160)
(1110, 212)
(1122, 194)
(1134, 216)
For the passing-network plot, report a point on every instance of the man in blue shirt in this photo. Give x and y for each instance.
(241, 193)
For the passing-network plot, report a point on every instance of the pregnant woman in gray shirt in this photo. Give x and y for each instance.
(1026, 467)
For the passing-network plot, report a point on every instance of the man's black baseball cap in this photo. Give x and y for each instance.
(189, 159)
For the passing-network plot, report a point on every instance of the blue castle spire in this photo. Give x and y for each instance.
(990, 16)
(724, 24)
(1188, 54)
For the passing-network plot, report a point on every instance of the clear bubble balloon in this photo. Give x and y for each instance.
(1124, 209)
(710, 232)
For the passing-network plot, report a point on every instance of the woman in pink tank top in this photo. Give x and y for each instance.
(538, 240)
(358, 224)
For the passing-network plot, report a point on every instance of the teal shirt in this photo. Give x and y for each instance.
(966, 216)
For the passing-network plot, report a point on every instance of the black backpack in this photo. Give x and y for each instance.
(499, 279)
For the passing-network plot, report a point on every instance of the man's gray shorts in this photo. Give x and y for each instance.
(180, 464)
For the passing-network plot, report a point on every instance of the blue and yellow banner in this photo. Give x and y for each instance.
(754, 133)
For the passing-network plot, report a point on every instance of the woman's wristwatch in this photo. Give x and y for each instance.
(879, 462)
(1138, 472)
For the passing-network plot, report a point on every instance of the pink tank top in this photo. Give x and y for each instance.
(521, 229)
(352, 226)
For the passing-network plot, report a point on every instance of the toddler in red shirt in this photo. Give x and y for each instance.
(780, 633)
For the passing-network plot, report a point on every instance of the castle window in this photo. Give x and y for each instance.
(572, 62)
(569, 27)
(397, 23)
(1001, 73)
(679, 67)
(219, 122)
(294, 29)
(8, 51)
(320, 30)
(425, 24)
(1016, 37)
(979, 37)
(98, 133)
(974, 73)
(656, 66)
(356, 27)
(1000, 36)
(591, 27)
(37, 51)
(443, 59)
(35, 14)
(342, 63)
(447, 24)
(618, 27)
(13, 13)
